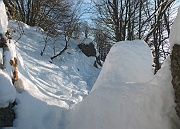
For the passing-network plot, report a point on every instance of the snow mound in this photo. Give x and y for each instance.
(117, 102)
(127, 61)
(7, 90)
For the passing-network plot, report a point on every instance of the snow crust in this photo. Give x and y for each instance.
(174, 34)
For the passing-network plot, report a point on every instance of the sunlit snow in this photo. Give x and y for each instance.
(58, 95)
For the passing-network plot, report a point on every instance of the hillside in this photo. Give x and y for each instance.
(50, 88)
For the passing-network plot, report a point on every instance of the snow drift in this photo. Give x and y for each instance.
(127, 62)
(120, 101)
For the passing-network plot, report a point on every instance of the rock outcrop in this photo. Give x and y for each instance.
(175, 71)
(7, 116)
(89, 50)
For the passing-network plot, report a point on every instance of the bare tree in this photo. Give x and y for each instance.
(138, 19)
(158, 35)
(123, 18)
(69, 27)
(43, 13)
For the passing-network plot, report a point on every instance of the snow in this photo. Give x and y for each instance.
(174, 34)
(3, 18)
(123, 62)
(127, 103)
(65, 94)
(7, 90)
(50, 89)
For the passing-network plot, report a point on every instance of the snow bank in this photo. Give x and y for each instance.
(127, 61)
(174, 35)
(3, 18)
(7, 90)
(119, 102)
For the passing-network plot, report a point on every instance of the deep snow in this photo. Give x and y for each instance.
(57, 95)
(118, 104)
(129, 105)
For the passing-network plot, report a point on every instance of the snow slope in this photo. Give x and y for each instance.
(50, 88)
(122, 102)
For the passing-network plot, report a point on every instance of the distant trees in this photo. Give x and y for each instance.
(137, 19)
(49, 15)
(103, 44)
(55, 17)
